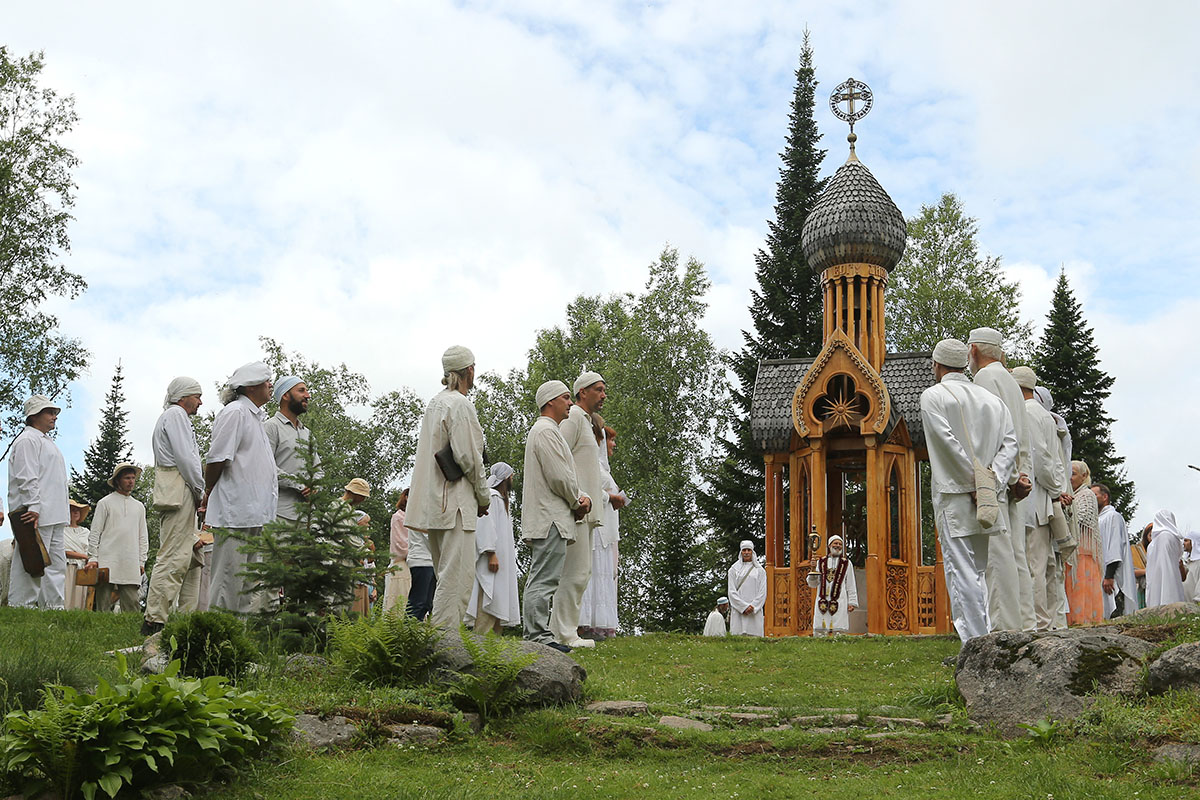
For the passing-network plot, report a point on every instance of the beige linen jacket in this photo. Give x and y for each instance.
(434, 504)
(577, 431)
(551, 489)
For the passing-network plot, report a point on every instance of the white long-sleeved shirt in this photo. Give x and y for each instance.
(577, 432)
(1045, 456)
(944, 409)
(37, 478)
(433, 503)
(247, 492)
(174, 445)
(1000, 382)
(119, 539)
(550, 489)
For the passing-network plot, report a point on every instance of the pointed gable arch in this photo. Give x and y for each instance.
(819, 406)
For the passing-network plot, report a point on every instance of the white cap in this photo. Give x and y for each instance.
(550, 390)
(585, 380)
(951, 353)
(986, 336)
(1025, 377)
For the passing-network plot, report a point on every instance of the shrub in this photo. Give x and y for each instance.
(156, 729)
(26, 669)
(388, 648)
(210, 643)
(490, 687)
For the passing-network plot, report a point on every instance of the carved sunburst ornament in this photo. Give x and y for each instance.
(845, 409)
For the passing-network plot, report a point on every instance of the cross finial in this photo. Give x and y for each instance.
(851, 92)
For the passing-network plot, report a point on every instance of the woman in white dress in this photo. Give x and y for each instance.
(75, 542)
(494, 602)
(598, 611)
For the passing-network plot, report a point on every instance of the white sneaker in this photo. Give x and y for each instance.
(581, 643)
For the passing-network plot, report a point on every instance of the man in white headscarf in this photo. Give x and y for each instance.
(449, 489)
(747, 589)
(715, 624)
(966, 425)
(1164, 584)
(1045, 502)
(240, 487)
(1009, 583)
(494, 601)
(590, 392)
(837, 593)
(37, 502)
(119, 540)
(1119, 584)
(178, 489)
(551, 504)
(290, 441)
(1063, 551)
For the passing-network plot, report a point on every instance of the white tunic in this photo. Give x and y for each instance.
(37, 478)
(846, 597)
(76, 539)
(434, 504)
(495, 534)
(247, 493)
(715, 624)
(1045, 454)
(747, 588)
(1163, 584)
(418, 549)
(550, 489)
(1114, 539)
(119, 539)
(174, 445)
(577, 431)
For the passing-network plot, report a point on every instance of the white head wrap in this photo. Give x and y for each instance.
(838, 538)
(499, 472)
(457, 358)
(951, 353)
(722, 601)
(585, 380)
(1025, 377)
(986, 336)
(746, 545)
(285, 385)
(550, 390)
(1195, 538)
(37, 404)
(1164, 522)
(1044, 397)
(251, 374)
(180, 388)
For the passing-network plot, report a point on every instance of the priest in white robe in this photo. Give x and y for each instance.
(1163, 581)
(1119, 584)
(747, 593)
(964, 424)
(837, 592)
(715, 624)
(494, 602)
(119, 541)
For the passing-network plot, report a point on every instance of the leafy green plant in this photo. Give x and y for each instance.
(940, 697)
(490, 685)
(1045, 731)
(389, 648)
(155, 729)
(210, 643)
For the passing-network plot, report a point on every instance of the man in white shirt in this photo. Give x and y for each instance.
(119, 541)
(178, 488)
(447, 510)
(552, 502)
(241, 490)
(290, 439)
(964, 424)
(37, 497)
(1119, 584)
(1009, 585)
(715, 624)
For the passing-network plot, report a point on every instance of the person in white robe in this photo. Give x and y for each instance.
(119, 541)
(1044, 503)
(1163, 581)
(837, 592)
(714, 625)
(1119, 584)
(241, 489)
(37, 496)
(1009, 583)
(495, 603)
(598, 611)
(590, 392)
(397, 584)
(1063, 551)
(551, 504)
(967, 424)
(75, 540)
(747, 590)
(1191, 584)
(178, 489)
(445, 510)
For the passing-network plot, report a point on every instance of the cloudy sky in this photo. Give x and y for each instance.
(359, 180)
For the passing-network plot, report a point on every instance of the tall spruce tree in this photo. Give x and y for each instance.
(786, 312)
(1068, 364)
(110, 447)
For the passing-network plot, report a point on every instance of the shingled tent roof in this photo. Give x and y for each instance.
(906, 375)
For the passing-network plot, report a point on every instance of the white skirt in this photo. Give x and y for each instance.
(599, 606)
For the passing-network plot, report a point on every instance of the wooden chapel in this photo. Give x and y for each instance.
(841, 433)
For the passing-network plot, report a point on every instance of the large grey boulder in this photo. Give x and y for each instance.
(553, 678)
(1169, 611)
(322, 734)
(1012, 678)
(1178, 668)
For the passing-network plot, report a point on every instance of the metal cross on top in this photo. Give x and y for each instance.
(849, 92)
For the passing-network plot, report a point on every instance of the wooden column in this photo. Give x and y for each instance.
(877, 544)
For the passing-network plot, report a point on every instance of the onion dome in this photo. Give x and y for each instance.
(854, 222)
